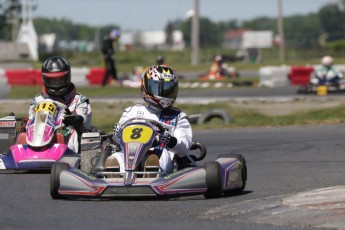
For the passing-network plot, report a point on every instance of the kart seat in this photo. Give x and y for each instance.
(58, 138)
(21, 139)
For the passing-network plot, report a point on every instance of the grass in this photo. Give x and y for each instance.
(240, 117)
(105, 115)
(28, 92)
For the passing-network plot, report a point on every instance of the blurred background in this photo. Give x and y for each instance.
(247, 33)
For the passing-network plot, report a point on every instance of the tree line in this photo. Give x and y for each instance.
(301, 31)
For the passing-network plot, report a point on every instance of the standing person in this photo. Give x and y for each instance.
(108, 52)
(160, 60)
(56, 75)
(159, 89)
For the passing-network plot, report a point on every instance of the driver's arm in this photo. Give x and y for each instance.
(183, 135)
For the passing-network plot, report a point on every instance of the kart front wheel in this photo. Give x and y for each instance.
(56, 170)
(213, 180)
(241, 159)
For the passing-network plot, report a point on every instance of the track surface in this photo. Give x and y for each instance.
(281, 163)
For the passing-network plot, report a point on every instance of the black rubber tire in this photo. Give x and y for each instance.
(55, 172)
(216, 113)
(193, 118)
(243, 171)
(213, 180)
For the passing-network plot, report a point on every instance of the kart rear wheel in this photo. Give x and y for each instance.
(243, 170)
(213, 180)
(56, 170)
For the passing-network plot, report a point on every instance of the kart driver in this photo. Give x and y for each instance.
(56, 75)
(218, 66)
(327, 73)
(159, 88)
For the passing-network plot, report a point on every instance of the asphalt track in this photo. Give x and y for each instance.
(286, 167)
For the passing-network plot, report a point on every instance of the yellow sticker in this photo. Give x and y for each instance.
(45, 106)
(137, 133)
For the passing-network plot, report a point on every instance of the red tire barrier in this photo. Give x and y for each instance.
(300, 75)
(95, 76)
(20, 77)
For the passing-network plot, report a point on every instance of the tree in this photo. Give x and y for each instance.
(210, 35)
(332, 19)
(8, 9)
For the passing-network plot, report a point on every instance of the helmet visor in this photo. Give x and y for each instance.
(56, 81)
(162, 88)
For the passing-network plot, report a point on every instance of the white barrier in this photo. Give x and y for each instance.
(78, 76)
(4, 87)
(340, 68)
(274, 76)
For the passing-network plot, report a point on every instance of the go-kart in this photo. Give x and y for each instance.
(40, 146)
(133, 79)
(323, 86)
(228, 72)
(228, 173)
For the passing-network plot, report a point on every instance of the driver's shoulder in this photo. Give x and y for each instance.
(135, 108)
(81, 98)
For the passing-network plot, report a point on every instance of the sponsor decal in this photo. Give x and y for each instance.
(7, 124)
(94, 146)
(86, 175)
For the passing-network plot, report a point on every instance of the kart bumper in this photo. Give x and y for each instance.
(76, 183)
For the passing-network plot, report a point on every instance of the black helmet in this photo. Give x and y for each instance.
(160, 60)
(159, 86)
(56, 74)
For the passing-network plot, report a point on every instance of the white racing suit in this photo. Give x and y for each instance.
(325, 74)
(182, 131)
(77, 104)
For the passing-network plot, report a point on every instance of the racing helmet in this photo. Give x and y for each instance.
(218, 59)
(159, 86)
(327, 61)
(114, 34)
(159, 60)
(56, 75)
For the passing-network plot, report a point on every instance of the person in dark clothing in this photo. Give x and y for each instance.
(108, 52)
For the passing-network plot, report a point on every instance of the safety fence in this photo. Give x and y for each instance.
(28, 77)
(276, 76)
(269, 76)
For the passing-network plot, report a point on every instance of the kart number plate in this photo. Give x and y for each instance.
(46, 106)
(137, 133)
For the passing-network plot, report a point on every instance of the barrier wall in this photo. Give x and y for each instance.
(4, 87)
(269, 76)
(300, 75)
(274, 76)
(27, 77)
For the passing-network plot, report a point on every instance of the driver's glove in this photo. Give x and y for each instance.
(74, 120)
(167, 139)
